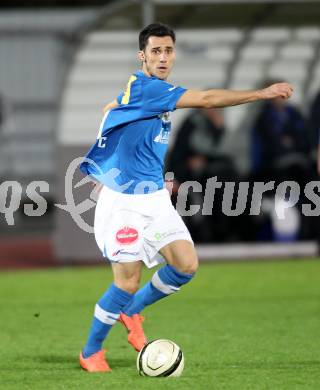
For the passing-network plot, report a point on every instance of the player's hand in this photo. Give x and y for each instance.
(283, 90)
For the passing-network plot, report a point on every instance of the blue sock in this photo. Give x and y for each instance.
(164, 282)
(106, 313)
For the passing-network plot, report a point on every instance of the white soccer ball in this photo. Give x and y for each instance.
(160, 358)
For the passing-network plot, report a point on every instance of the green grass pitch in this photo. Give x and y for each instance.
(240, 325)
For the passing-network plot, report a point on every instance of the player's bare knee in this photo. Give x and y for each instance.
(189, 266)
(193, 268)
(128, 287)
(131, 285)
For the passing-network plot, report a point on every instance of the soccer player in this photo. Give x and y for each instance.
(135, 222)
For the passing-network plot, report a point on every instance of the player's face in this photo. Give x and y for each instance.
(158, 57)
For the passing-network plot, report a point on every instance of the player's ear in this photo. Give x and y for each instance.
(141, 56)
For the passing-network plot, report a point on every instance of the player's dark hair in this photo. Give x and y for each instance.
(156, 30)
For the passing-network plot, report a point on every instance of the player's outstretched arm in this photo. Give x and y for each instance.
(223, 97)
(110, 105)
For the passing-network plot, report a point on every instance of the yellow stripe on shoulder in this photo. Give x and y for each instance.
(126, 97)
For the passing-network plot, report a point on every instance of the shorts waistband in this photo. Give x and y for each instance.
(154, 194)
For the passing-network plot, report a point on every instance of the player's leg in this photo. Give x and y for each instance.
(107, 311)
(127, 276)
(182, 264)
(168, 236)
(181, 255)
(130, 282)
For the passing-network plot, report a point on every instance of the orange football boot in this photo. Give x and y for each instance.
(95, 362)
(136, 336)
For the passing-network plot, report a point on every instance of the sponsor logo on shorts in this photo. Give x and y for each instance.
(123, 252)
(127, 235)
(160, 236)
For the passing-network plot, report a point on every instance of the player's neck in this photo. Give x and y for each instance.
(148, 74)
(145, 71)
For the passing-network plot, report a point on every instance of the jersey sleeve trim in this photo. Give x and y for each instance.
(179, 91)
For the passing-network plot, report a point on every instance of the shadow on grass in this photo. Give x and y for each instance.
(46, 362)
(55, 362)
(121, 363)
(71, 361)
(56, 359)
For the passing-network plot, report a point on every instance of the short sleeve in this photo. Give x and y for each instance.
(160, 96)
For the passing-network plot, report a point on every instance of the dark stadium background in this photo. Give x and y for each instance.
(33, 105)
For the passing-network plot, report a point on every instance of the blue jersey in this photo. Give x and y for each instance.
(129, 153)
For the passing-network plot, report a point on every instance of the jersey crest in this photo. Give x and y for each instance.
(163, 136)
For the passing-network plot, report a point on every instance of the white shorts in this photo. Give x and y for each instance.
(135, 227)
